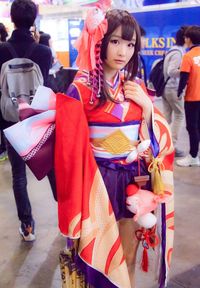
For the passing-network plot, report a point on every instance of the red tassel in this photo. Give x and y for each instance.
(148, 239)
(145, 261)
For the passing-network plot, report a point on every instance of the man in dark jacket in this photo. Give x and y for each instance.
(23, 15)
(21, 38)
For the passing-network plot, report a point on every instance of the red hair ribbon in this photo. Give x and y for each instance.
(93, 32)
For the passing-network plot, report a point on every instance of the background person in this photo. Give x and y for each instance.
(57, 77)
(173, 108)
(45, 39)
(35, 33)
(190, 78)
(23, 14)
(3, 33)
(3, 124)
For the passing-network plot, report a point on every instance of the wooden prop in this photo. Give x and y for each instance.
(71, 275)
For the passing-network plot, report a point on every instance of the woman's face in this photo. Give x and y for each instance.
(119, 51)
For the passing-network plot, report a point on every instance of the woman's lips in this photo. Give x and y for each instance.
(119, 61)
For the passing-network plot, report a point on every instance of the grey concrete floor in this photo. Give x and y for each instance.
(25, 265)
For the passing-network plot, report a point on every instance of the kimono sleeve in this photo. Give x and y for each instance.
(73, 91)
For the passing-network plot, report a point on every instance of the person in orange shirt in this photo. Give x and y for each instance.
(190, 77)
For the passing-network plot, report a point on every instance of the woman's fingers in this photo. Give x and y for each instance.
(131, 90)
(131, 87)
(134, 92)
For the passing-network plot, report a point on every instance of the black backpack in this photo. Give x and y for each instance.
(156, 76)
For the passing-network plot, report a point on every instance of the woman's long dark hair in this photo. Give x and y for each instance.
(129, 25)
(3, 33)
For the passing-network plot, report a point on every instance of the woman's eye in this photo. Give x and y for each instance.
(131, 45)
(114, 41)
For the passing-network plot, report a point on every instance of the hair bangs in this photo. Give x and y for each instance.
(127, 30)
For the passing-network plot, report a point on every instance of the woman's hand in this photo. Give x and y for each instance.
(134, 92)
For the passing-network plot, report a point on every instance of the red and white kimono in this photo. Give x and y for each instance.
(85, 211)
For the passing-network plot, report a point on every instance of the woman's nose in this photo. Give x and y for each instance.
(122, 50)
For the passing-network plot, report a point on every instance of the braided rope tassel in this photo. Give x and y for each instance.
(99, 67)
(90, 82)
(96, 75)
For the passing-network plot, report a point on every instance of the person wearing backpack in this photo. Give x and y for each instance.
(173, 108)
(23, 45)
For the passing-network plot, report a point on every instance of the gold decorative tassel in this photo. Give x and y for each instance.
(157, 183)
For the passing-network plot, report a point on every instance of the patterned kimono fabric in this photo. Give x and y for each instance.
(94, 257)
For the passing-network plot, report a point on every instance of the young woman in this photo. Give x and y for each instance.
(94, 137)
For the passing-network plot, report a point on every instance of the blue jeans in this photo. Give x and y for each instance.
(20, 185)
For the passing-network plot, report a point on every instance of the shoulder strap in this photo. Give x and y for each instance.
(173, 50)
(11, 49)
(27, 53)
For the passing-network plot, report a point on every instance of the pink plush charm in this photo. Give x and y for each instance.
(142, 202)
